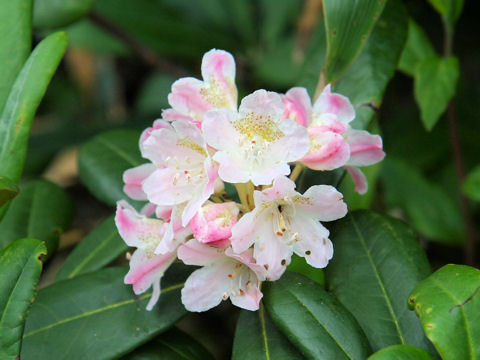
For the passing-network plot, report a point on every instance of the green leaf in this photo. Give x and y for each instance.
(18, 113)
(434, 87)
(276, 16)
(15, 43)
(98, 249)
(96, 316)
(8, 190)
(313, 320)
(471, 186)
(50, 14)
(401, 352)
(256, 337)
(172, 345)
(20, 268)
(449, 9)
(366, 80)
(427, 206)
(299, 265)
(348, 26)
(42, 211)
(103, 159)
(417, 49)
(448, 304)
(153, 96)
(388, 263)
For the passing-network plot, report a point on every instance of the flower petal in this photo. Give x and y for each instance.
(328, 150)
(322, 202)
(333, 103)
(365, 148)
(133, 179)
(249, 299)
(266, 105)
(361, 184)
(186, 98)
(297, 106)
(196, 253)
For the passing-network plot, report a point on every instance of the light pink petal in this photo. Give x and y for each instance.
(365, 148)
(247, 258)
(175, 233)
(173, 115)
(361, 184)
(155, 295)
(248, 299)
(233, 168)
(297, 106)
(167, 187)
(322, 202)
(213, 222)
(136, 229)
(163, 212)
(333, 103)
(149, 209)
(196, 253)
(159, 145)
(294, 145)
(266, 176)
(186, 98)
(263, 104)
(329, 122)
(282, 187)
(218, 129)
(207, 287)
(328, 150)
(244, 231)
(157, 124)
(312, 242)
(190, 131)
(218, 72)
(133, 179)
(145, 269)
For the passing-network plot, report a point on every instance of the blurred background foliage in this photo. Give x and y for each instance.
(123, 56)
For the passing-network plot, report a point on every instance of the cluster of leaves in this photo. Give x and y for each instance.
(357, 309)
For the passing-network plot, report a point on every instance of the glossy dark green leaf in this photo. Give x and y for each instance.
(98, 249)
(25, 96)
(42, 210)
(427, 206)
(20, 268)
(313, 319)
(377, 263)
(96, 316)
(449, 9)
(471, 186)
(348, 26)
(15, 43)
(49, 14)
(103, 159)
(448, 304)
(299, 265)
(435, 85)
(153, 96)
(417, 48)
(276, 16)
(257, 337)
(171, 345)
(8, 190)
(402, 352)
(366, 80)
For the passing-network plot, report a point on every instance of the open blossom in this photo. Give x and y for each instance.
(191, 98)
(285, 222)
(146, 267)
(213, 223)
(224, 275)
(254, 144)
(333, 143)
(185, 172)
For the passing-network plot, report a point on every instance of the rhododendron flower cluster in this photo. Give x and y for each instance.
(204, 141)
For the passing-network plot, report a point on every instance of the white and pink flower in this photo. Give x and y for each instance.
(333, 143)
(146, 267)
(254, 144)
(191, 98)
(224, 275)
(285, 222)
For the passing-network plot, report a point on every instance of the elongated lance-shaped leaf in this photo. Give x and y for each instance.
(257, 337)
(25, 96)
(402, 352)
(96, 316)
(172, 345)
(50, 14)
(42, 210)
(98, 249)
(8, 190)
(377, 262)
(20, 268)
(366, 80)
(102, 161)
(348, 26)
(314, 320)
(15, 43)
(448, 304)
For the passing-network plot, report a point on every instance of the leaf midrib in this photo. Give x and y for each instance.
(99, 310)
(261, 315)
(379, 279)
